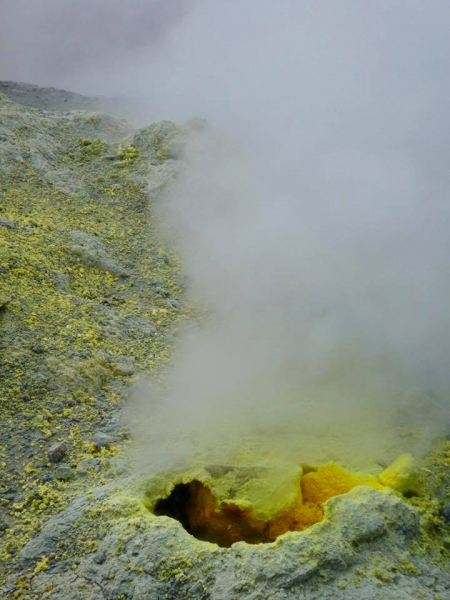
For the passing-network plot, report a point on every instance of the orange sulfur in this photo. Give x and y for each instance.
(226, 522)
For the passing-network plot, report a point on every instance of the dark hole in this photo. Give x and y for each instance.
(194, 506)
(175, 505)
(410, 494)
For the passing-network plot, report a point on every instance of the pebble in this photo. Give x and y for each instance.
(57, 452)
(84, 465)
(4, 300)
(119, 465)
(38, 348)
(100, 557)
(64, 473)
(7, 223)
(173, 304)
(62, 281)
(102, 440)
(123, 365)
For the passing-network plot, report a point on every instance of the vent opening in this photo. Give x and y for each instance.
(195, 507)
(225, 522)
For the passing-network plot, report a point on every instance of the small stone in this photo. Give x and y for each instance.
(4, 301)
(123, 365)
(446, 513)
(102, 440)
(7, 223)
(403, 475)
(87, 462)
(64, 473)
(90, 250)
(38, 348)
(146, 327)
(100, 557)
(62, 281)
(57, 452)
(84, 465)
(163, 292)
(173, 304)
(119, 465)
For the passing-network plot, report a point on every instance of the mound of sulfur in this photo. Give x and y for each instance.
(403, 476)
(230, 504)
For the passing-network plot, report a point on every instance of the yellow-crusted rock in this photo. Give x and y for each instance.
(402, 475)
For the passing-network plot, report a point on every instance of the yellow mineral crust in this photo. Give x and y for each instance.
(403, 475)
(258, 506)
(331, 480)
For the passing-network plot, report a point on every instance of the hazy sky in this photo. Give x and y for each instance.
(55, 42)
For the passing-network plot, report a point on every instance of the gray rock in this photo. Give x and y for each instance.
(114, 326)
(62, 281)
(99, 125)
(7, 223)
(64, 473)
(173, 304)
(159, 140)
(123, 365)
(67, 375)
(42, 151)
(4, 301)
(81, 472)
(59, 527)
(66, 181)
(91, 251)
(88, 463)
(9, 148)
(100, 557)
(139, 325)
(39, 348)
(57, 452)
(146, 558)
(161, 175)
(119, 465)
(3, 524)
(102, 440)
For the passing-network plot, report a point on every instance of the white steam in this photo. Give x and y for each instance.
(322, 315)
(312, 218)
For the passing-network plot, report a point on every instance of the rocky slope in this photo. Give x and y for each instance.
(52, 99)
(91, 297)
(88, 296)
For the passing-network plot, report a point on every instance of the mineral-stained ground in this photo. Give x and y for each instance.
(91, 298)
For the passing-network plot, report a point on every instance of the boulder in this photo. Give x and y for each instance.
(57, 452)
(90, 250)
(7, 223)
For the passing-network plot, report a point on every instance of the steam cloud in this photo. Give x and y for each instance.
(312, 217)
